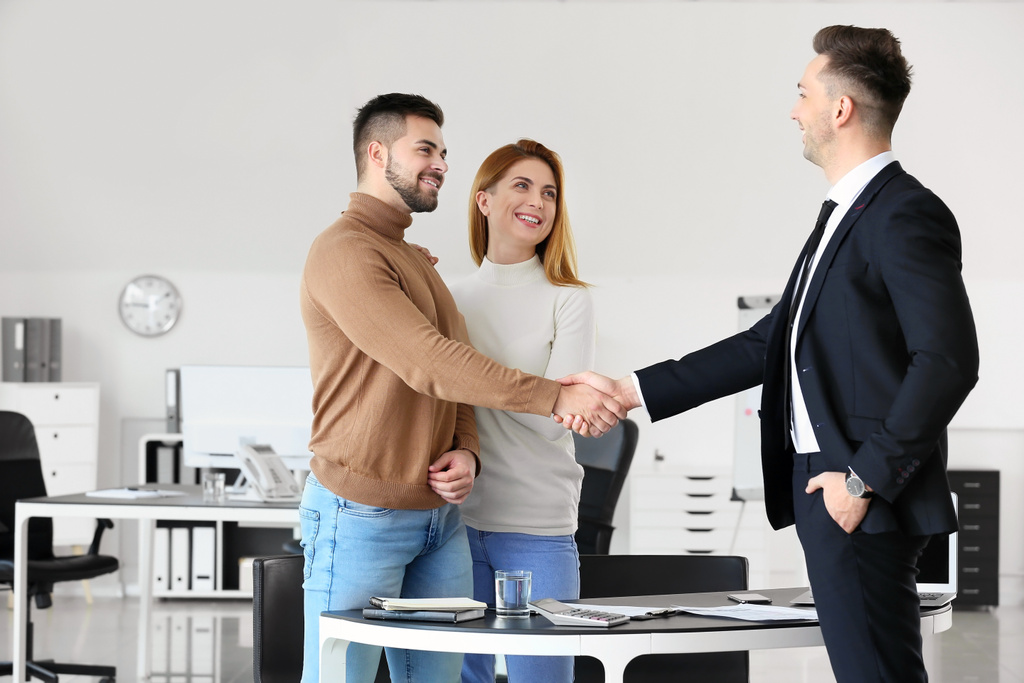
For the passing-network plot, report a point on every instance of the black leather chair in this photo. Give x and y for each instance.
(21, 476)
(604, 576)
(278, 621)
(605, 464)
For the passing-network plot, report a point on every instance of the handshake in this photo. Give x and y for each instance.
(591, 404)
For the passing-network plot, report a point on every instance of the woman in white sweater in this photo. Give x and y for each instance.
(525, 308)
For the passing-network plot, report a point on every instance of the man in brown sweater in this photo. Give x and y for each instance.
(394, 380)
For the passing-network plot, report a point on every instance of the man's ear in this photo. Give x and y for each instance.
(377, 154)
(844, 111)
(483, 202)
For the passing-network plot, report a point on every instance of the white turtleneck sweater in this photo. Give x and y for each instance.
(529, 481)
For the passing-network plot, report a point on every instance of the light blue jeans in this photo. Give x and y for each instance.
(355, 551)
(555, 563)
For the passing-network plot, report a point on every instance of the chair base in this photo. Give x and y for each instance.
(49, 671)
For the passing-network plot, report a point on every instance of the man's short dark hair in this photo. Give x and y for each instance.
(382, 119)
(868, 64)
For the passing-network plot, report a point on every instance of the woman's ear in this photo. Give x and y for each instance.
(483, 202)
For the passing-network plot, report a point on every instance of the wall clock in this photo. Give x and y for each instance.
(149, 305)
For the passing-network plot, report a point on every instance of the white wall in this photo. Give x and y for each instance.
(210, 142)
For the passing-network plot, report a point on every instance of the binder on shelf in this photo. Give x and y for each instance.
(54, 365)
(173, 390)
(161, 559)
(37, 350)
(13, 340)
(203, 546)
(180, 563)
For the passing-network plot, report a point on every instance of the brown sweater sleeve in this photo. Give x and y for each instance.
(380, 313)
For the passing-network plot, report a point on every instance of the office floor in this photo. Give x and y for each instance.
(211, 642)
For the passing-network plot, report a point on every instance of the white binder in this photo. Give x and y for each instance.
(161, 559)
(180, 564)
(203, 545)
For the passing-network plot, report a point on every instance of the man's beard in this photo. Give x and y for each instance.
(416, 198)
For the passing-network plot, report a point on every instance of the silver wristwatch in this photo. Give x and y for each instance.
(855, 486)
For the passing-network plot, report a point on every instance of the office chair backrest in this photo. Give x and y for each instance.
(277, 618)
(605, 464)
(606, 576)
(21, 476)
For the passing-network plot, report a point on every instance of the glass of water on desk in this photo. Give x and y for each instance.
(512, 593)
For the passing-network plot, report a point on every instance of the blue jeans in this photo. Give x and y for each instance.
(555, 563)
(355, 551)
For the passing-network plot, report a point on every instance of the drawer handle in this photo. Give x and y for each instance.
(972, 506)
(971, 549)
(972, 570)
(970, 591)
(972, 527)
(692, 478)
(700, 495)
(972, 484)
(56, 434)
(700, 531)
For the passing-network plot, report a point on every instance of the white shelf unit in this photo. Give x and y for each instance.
(233, 542)
(66, 418)
(692, 513)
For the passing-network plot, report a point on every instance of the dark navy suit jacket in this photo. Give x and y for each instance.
(886, 354)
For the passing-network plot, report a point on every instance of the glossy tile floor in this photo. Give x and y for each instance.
(211, 642)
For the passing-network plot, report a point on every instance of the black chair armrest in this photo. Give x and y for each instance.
(101, 526)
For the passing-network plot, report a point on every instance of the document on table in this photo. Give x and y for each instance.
(749, 612)
(130, 492)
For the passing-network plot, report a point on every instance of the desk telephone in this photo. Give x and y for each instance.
(268, 474)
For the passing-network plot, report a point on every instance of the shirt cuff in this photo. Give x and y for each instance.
(639, 393)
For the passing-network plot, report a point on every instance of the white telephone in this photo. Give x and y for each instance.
(268, 474)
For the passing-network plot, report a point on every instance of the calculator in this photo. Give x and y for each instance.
(569, 615)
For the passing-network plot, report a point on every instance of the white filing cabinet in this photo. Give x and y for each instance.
(675, 513)
(66, 418)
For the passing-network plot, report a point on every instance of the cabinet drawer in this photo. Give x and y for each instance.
(58, 445)
(688, 539)
(978, 550)
(979, 527)
(978, 592)
(65, 479)
(676, 484)
(974, 507)
(975, 482)
(56, 404)
(685, 518)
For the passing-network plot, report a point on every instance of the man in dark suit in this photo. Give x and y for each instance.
(864, 361)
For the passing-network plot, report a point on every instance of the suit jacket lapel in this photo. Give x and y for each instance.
(860, 203)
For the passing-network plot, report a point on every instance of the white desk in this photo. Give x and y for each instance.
(615, 647)
(190, 507)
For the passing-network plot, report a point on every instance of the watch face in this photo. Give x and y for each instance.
(149, 305)
(854, 486)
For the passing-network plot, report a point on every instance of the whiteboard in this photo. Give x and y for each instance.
(747, 482)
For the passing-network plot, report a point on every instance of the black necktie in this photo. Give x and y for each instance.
(812, 246)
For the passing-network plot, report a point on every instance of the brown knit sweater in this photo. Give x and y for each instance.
(394, 377)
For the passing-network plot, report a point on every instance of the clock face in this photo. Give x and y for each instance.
(149, 305)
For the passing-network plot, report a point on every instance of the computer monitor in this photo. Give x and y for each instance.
(225, 406)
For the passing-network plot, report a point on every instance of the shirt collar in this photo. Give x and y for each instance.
(850, 185)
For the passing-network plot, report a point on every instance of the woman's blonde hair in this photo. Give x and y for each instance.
(558, 250)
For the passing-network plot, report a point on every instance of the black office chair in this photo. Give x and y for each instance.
(21, 476)
(278, 621)
(605, 576)
(605, 464)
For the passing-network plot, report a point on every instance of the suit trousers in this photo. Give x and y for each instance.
(865, 590)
